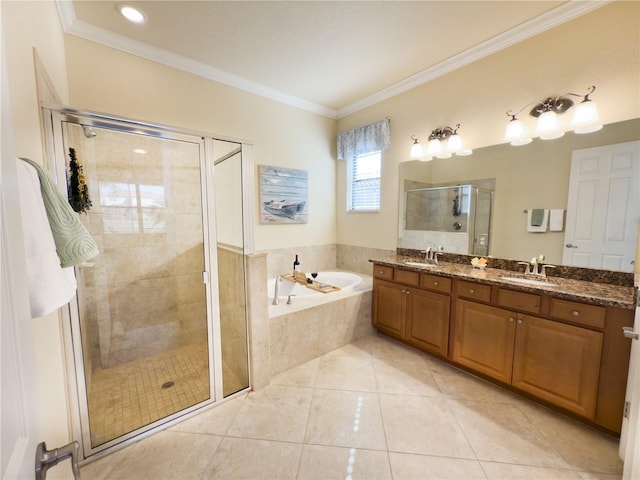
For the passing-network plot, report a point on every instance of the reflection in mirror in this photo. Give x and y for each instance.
(456, 218)
(532, 176)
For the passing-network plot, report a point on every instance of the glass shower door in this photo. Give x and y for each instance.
(142, 303)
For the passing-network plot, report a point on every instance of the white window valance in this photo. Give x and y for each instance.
(360, 141)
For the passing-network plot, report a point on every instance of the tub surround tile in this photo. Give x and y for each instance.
(258, 314)
(356, 259)
(312, 258)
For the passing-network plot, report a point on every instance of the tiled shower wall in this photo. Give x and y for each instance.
(323, 257)
(233, 326)
(144, 293)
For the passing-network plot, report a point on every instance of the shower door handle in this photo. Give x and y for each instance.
(45, 459)
(206, 278)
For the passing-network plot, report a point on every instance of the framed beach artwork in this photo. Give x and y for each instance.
(283, 195)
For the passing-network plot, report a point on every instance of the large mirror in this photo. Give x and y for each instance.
(530, 177)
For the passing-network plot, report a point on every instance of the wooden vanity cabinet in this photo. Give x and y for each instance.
(413, 308)
(389, 308)
(558, 363)
(484, 339)
(566, 353)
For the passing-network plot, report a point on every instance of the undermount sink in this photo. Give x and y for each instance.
(529, 281)
(420, 264)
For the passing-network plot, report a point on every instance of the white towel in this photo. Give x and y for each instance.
(50, 286)
(556, 219)
(535, 228)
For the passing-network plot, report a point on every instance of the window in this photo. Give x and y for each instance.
(363, 182)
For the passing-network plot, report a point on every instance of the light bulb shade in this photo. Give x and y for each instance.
(514, 134)
(585, 118)
(416, 150)
(548, 126)
(454, 144)
(434, 147)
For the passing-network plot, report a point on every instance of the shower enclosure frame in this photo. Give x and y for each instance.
(53, 119)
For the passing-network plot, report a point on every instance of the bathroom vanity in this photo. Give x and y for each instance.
(558, 341)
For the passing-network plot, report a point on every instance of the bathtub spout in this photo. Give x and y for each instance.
(275, 291)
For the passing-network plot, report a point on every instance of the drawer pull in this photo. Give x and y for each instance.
(519, 322)
(381, 272)
(436, 283)
(472, 291)
(575, 313)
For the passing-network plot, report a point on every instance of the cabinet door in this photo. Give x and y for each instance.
(484, 338)
(559, 363)
(389, 308)
(428, 321)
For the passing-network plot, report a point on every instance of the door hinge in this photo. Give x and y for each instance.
(625, 412)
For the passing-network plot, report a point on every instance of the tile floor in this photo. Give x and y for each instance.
(374, 409)
(130, 396)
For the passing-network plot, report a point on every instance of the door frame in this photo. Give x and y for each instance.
(53, 119)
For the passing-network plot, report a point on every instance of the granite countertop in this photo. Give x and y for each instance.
(565, 288)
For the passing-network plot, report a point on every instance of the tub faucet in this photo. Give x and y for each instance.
(275, 291)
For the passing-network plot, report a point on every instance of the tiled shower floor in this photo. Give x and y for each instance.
(130, 396)
(374, 409)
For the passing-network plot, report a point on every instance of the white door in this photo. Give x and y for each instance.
(603, 207)
(630, 436)
(19, 425)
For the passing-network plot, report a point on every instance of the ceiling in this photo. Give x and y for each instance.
(329, 57)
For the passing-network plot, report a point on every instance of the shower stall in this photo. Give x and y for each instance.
(158, 325)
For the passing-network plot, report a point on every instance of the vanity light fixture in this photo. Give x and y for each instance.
(585, 118)
(443, 142)
(133, 14)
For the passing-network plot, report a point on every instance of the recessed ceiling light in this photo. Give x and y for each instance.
(132, 14)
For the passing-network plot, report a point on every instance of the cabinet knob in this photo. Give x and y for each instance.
(511, 319)
(381, 272)
(575, 313)
(519, 322)
(436, 283)
(471, 290)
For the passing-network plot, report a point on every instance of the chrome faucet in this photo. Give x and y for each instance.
(536, 267)
(428, 254)
(276, 300)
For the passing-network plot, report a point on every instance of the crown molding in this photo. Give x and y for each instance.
(531, 28)
(546, 21)
(73, 26)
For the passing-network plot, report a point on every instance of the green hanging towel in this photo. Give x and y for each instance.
(537, 216)
(74, 244)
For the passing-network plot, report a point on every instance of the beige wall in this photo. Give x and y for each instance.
(29, 25)
(601, 48)
(107, 80)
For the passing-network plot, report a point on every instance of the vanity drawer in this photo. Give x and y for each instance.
(407, 277)
(475, 291)
(435, 282)
(576, 312)
(382, 271)
(526, 302)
